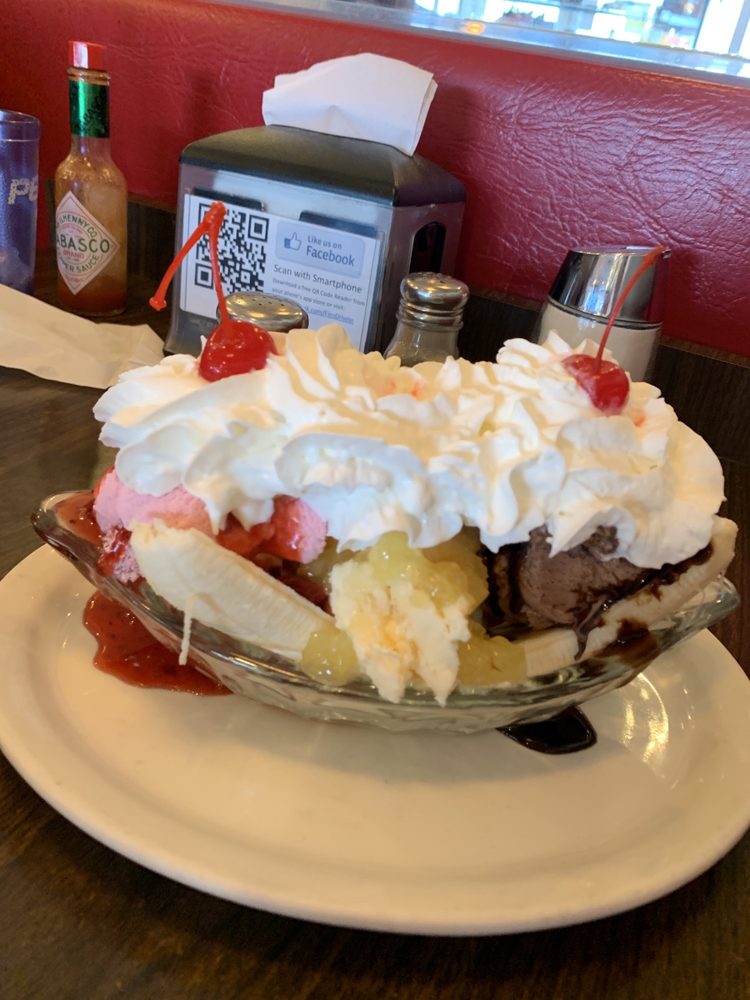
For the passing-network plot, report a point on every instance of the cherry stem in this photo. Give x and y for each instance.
(651, 257)
(210, 224)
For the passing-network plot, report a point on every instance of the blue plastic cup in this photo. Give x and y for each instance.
(19, 188)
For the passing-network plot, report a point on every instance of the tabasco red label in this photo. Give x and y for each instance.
(84, 245)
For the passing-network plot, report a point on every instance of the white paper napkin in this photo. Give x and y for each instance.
(362, 96)
(57, 345)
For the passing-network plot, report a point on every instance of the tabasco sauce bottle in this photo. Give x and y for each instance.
(90, 196)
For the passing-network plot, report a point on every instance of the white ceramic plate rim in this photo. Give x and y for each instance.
(56, 724)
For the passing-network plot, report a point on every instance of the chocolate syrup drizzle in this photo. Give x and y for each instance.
(568, 732)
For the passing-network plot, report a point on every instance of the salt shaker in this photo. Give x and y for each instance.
(584, 294)
(269, 312)
(429, 317)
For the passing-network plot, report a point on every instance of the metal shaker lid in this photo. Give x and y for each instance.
(591, 279)
(270, 312)
(428, 297)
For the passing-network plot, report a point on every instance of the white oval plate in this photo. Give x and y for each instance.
(420, 833)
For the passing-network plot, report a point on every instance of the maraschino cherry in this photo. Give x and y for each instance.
(604, 382)
(235, 346)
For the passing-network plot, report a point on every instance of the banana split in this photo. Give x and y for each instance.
(363, 518)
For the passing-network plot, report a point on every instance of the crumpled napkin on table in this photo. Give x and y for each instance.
(57, 345)
(363, 96)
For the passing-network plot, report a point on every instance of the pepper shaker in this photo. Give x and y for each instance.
(584, 294)
(429, 317)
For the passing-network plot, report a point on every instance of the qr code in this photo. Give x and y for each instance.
(242, 251)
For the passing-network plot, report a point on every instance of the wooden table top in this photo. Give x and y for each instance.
(79, 921)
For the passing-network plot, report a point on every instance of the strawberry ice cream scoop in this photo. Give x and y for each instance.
(294, 531)
(118, 506)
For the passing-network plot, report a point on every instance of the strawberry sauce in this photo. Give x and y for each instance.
(129, 651)
(76, 512)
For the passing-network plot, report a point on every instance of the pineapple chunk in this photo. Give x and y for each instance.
(402, 617)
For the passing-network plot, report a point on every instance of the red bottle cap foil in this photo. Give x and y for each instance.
(86, 55)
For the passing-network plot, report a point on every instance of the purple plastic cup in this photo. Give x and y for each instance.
(19, 187)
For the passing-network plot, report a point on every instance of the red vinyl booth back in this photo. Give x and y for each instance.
(554, 152)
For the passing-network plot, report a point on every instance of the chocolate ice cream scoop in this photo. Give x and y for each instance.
(540, 590)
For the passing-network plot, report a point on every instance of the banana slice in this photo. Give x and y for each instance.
(228, 593)
(551, 649)
(651, 604)
(224, 591)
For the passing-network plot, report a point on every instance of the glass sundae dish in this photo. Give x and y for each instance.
(274, 680)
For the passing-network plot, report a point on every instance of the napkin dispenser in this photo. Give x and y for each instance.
(332, 223)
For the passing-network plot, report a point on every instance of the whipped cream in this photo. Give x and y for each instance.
(373, 447)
